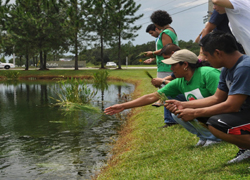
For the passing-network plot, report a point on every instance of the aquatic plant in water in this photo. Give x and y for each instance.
(100, 80)
(74, 94)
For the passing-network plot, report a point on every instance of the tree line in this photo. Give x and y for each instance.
(36, 29)
(44, 30)
(130, 52)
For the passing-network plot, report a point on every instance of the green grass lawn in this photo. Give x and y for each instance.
(143, 151)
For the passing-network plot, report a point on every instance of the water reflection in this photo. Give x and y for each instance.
(39, 142)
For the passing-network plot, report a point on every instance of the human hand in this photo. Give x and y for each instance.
(186, 114)
(157, 82)
(202, 57)
(114, 109)
(173, 105)
(149, 54)
(148, 61)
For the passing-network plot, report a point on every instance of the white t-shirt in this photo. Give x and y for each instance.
(239, 19)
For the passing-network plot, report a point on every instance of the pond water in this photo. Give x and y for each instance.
(38, 141)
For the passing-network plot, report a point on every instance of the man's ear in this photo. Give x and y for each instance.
(218, 52)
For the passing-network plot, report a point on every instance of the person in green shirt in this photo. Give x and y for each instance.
(193, 80)
(162, 21)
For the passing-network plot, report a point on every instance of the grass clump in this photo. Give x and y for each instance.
(11, 75)
(74, 94)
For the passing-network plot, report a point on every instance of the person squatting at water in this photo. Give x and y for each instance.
(228, 110)
(193, 80)
(167, 52)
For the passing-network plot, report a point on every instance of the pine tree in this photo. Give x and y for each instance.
(77, 24)
(123, 17)
(101, 25)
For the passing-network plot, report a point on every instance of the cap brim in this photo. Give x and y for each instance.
(170, 61)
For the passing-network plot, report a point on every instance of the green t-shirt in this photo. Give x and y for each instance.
(203, 84)
(162, 67)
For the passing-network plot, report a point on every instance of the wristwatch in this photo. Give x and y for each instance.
(163, 82)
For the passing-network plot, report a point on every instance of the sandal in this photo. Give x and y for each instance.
(157, 104)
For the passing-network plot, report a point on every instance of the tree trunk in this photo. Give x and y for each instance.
(27, 63)
(76, 52)
(119, 51)
(102, 60)
(20, 60)
(119, 47)
(45, 60)
(41, 60)
(33, 61)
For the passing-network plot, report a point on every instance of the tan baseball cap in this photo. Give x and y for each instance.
(182, 56)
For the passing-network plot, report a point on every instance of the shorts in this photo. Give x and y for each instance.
(237, 123)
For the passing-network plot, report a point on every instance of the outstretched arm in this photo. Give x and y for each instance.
(223, 3)
(141, 101)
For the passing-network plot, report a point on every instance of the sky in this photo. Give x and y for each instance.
(187, 16)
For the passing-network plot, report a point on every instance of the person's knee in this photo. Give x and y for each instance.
(214, 122)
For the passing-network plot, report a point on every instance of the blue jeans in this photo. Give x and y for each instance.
(196, 128)
(167, 114)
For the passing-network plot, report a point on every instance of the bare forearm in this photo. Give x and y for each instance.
(142, 101)
(157, 52)
(223, 3)
(219, 97)
(221, 108)
(169, 78)
(201, 103)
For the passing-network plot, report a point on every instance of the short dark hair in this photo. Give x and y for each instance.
(161, 18)
(151, 27)
(218, 40)
(169, 48)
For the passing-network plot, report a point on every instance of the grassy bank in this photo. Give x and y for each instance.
(144, 151)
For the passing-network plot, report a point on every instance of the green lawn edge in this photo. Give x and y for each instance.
(143, 151)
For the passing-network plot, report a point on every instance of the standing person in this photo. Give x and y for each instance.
(217, 22)
(228, 110)
(190, 78)
(239, 19)
(155, 32)
(162, 21)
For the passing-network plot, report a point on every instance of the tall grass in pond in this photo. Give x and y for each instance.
(74, 94)
(100, 83)
(100, 80)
